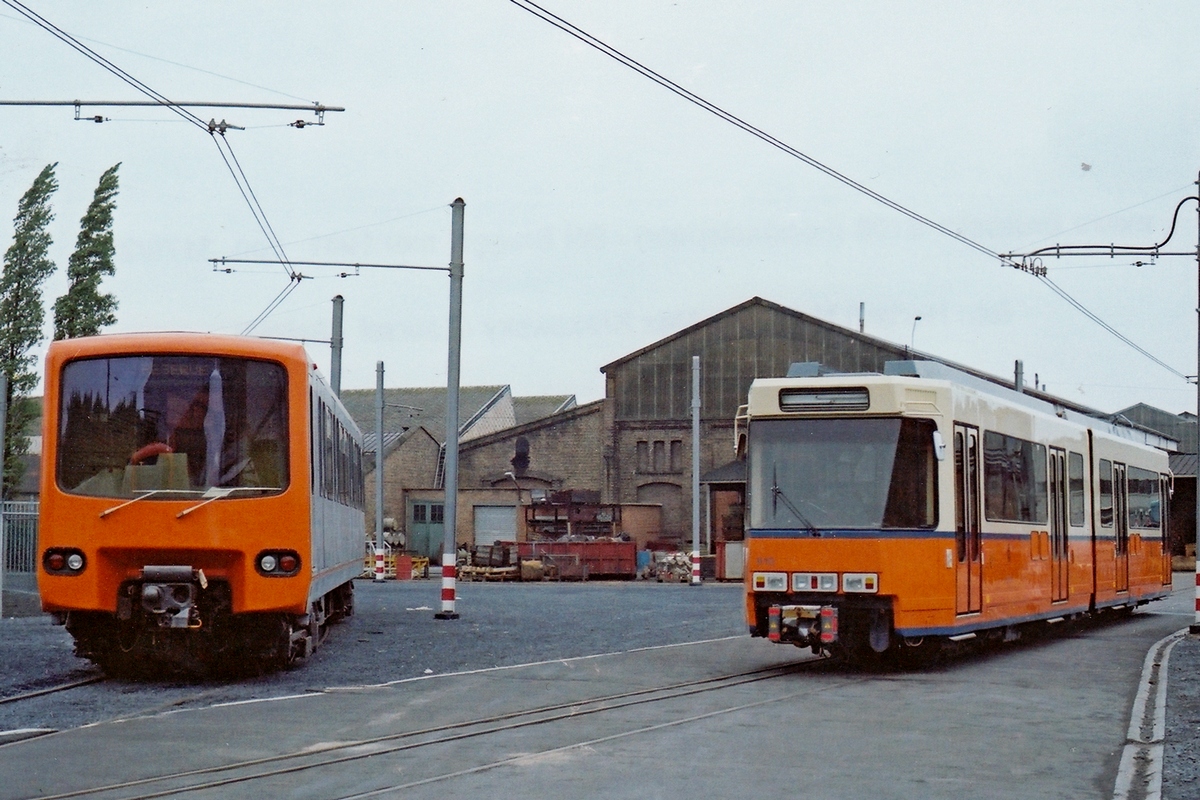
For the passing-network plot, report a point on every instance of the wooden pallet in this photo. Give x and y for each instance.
(469, 573)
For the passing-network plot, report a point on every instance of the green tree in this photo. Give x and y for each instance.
(27, 264)
(84, 309)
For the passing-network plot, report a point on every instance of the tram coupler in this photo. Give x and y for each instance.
(803, 625)
(168, 595)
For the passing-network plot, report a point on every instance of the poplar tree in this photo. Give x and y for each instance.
(84, 309)
(27, 264)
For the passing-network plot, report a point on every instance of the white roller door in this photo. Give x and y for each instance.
(495, 524)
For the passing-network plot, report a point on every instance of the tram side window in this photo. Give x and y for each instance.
(1106, 493)
(1014, 473)
(1144, 505)
(912, 495)
(1075, 488)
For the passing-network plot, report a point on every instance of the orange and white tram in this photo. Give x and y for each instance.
(896, 511)
(201, 500)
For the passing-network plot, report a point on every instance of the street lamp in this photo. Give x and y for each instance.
(913, 338)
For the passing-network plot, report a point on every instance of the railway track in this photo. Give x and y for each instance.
(62, 687)
(224, 777)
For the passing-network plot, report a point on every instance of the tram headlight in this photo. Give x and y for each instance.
(64, 561)
(267, 563)
(770, 581)
(860, 582)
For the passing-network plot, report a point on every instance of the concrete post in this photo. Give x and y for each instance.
(695, 470)
(335, 348)
(449, 542)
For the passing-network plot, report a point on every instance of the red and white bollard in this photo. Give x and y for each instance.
(695, 568)
(449, 570)
(1195, 626)
(378, 563)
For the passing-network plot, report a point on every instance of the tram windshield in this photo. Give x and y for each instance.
(172, 425)
(842, 473)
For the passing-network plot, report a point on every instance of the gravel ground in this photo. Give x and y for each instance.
(1181, 755)
(392, 635)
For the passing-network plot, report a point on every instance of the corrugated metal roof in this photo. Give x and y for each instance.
(1184, 464)
(410, 407)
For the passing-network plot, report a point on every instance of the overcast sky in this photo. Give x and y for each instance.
(604, 212)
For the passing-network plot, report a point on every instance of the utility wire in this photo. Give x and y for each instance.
(274, 304)
(1054, 287)
(733, 119)
(212, 129)
(712, 108)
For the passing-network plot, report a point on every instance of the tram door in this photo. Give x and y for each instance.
(968, 568)
(1059, 547)
(1121, 525)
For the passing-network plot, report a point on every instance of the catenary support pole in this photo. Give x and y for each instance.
(449, 543)
(1195, 626)
(335, 347)
(379, 566)
(695, 470)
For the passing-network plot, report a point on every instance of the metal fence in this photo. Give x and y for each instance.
(20, 536)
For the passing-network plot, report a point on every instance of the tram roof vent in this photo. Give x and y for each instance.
(804, 369)
(903, 368)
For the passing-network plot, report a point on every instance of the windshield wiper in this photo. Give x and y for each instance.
(221, 492)
(138, 499)
(777, 494)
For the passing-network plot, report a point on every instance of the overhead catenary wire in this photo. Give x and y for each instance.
(223, 146)
(670, 85)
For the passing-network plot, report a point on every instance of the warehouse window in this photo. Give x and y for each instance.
(643, 456)
(676, 455)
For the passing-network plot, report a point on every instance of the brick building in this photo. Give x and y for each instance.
(634, 447)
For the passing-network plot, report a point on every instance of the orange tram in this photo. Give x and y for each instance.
(201, 501)
(894, 513)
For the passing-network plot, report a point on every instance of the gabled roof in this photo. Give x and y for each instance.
(900, 350)
(391, 442)
(531, 409)
(424, 407)
(482, 410)
(1181, 427)
(575, 411)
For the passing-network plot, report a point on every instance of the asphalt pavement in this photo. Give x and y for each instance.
(34, 653)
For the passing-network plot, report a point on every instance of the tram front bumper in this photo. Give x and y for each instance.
(803, 625)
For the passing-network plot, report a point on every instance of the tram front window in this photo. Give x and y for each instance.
(171, 425)
(842, 473)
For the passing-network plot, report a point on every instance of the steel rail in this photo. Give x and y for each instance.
(456, 731)
(52, 689)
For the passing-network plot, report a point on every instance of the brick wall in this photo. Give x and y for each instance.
(564, 452)
(411, 465)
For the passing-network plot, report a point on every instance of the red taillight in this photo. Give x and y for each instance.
(829, 625)
(56, 561)
(287, 563)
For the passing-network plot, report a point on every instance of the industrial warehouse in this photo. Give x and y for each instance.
(546, 469)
